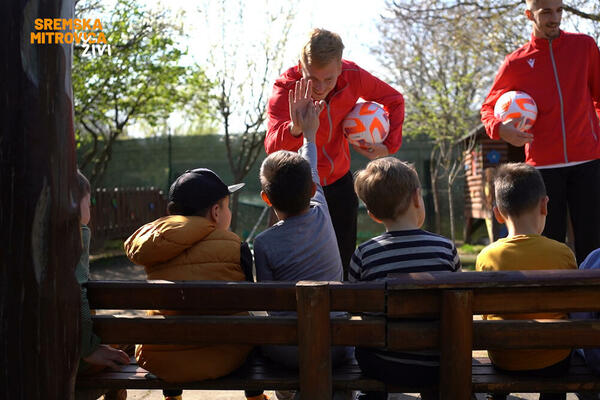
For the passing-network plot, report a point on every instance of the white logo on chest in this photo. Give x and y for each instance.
(531, 62)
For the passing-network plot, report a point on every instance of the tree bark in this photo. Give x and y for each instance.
(451, 210)
(39, 210)
(234, 203)
(433, 172)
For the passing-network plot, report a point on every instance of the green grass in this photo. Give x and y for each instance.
(470, 248)
(113, 245)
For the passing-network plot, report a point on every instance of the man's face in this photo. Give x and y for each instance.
(546, 16)
(323, 78)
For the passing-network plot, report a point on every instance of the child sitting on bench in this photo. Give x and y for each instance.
(192, 243)
(391, 191)
(302, 245)
(522, 203)
(95, 357)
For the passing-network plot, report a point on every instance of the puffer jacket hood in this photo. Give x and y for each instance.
(177, 247)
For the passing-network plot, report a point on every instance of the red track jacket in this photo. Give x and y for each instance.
(563, 77)
(332, 146)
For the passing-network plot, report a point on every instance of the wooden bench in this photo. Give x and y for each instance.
(452, 298)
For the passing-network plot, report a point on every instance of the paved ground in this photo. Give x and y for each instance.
(121, 269)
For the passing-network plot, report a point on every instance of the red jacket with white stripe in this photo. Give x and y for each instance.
(332, 147)
(563, 77)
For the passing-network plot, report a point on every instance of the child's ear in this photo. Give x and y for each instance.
(544, 205)
(374, 218)
(214, 212)
(313, 190)
(416, 198)
(499, 217)
(265, 198)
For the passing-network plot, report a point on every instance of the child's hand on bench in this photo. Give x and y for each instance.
(107, 356)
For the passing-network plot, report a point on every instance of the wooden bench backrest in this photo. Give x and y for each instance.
(312, 330)
(455, 298)
(452, 298)
(208, 298)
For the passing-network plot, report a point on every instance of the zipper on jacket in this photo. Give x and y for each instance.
(560, 97)
(329, 136)
(592, 127)
(323, 148)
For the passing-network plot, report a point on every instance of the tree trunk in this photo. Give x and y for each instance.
(39, 210)
(234, 202)
(433, 172)
(451, 209)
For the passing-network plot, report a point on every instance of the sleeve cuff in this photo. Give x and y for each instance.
(495, 130)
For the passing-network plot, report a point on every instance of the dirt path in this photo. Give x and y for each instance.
(120, 268)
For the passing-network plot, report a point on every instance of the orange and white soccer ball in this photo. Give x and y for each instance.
(513, 105)
(367, 123)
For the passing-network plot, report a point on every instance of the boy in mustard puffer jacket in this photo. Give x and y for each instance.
(192, 243)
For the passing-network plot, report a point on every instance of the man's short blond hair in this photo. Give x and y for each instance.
(530, 4)
(321, 48)
(386, 186)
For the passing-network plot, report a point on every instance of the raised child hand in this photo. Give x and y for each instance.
(107, 356)
(299, 99)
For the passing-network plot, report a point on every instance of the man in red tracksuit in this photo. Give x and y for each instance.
(340, 83)
(561, 71)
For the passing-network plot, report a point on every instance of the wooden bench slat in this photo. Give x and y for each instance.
(498, 279)
(204, 296)
(229, 329)
(195, 330)
(526, 334)
(209, 296)
(500, 334)
(358, 297)
(489, 370)
(356, 332)
(368, 332)
(539, 299)
(413, 335)
(426, 303)
(512, 383)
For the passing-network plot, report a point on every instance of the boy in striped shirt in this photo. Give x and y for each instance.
(391, 191)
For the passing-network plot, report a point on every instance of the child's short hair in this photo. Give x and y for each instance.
(195, 191)
(286, 178)
(386, 186)
(83, 184)
(322, 47)
(518, 188)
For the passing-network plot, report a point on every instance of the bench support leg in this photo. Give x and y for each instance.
(314, 340)
(456, 345)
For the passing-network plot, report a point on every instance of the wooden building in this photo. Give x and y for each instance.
(481, 157)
